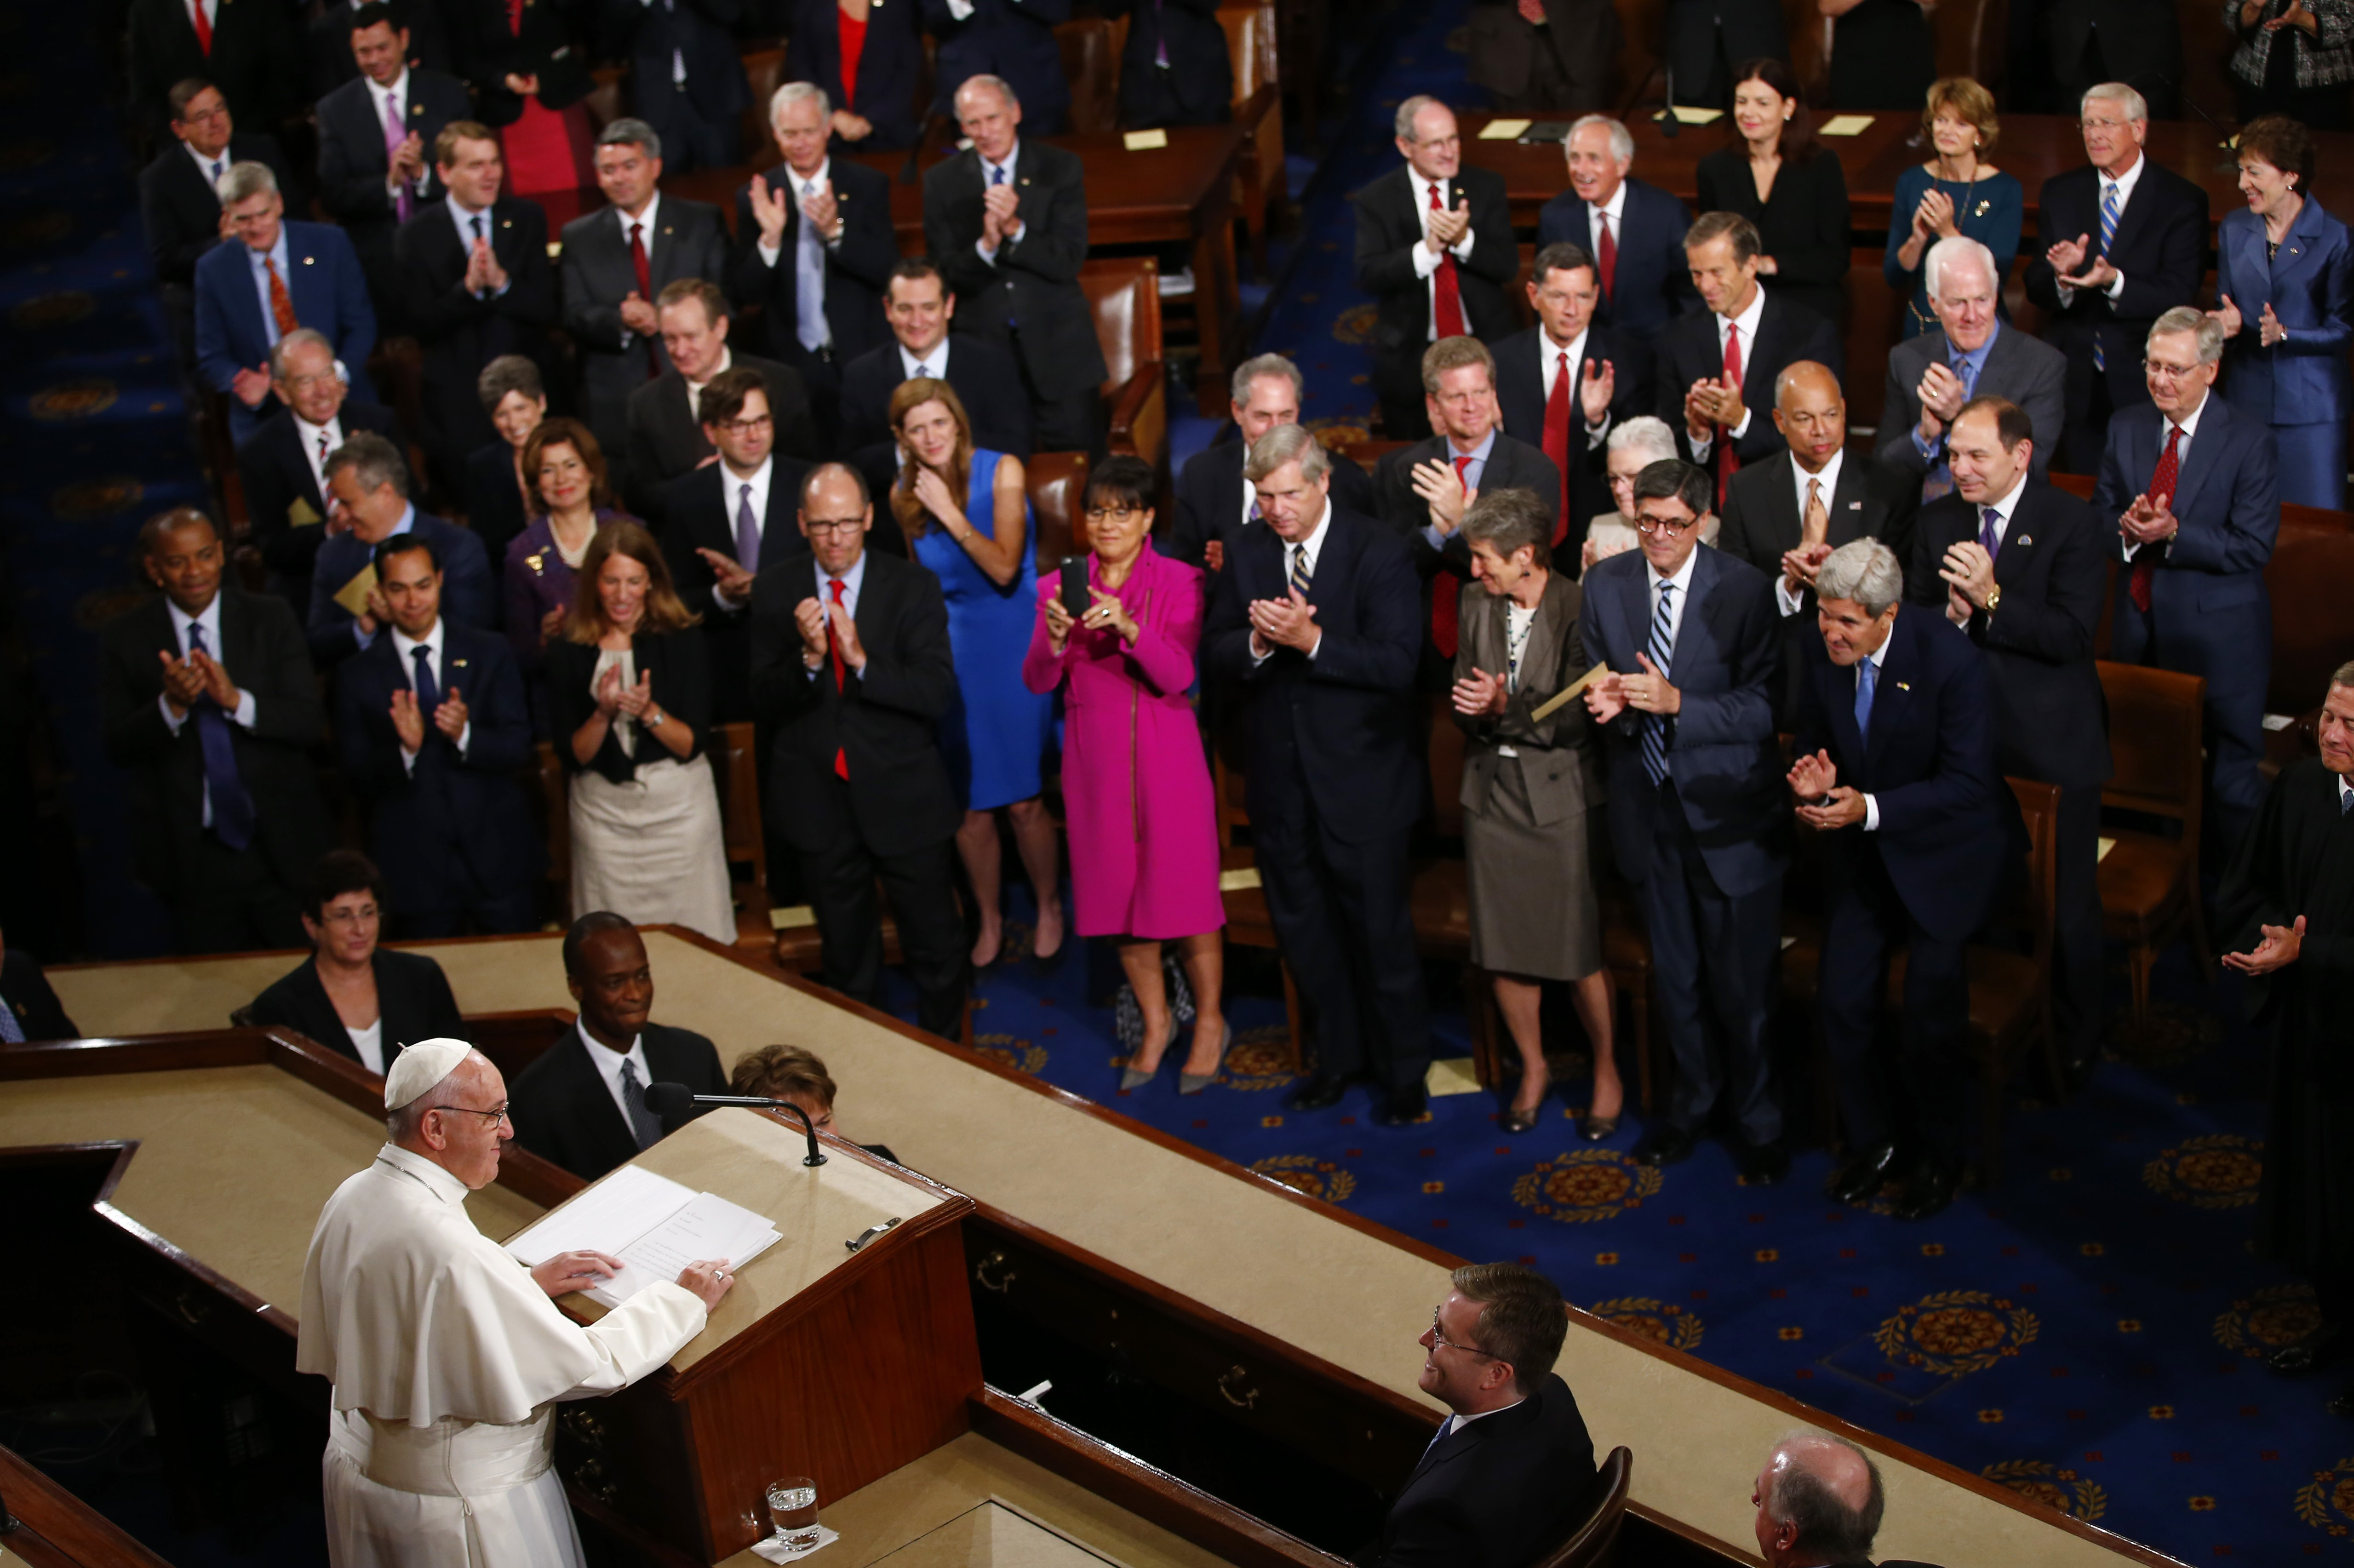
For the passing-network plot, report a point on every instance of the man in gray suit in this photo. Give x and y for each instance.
(1930, 377)
(615, 263)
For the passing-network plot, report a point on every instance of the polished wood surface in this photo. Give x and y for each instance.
(55, 1529)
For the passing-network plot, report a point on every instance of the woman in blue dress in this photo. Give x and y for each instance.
(2284, 295)
(967, 517)
(1956, 192)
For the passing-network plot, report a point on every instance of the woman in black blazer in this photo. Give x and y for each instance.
(529, 70)
(879, 110)
(1776, 174)
(351, 995)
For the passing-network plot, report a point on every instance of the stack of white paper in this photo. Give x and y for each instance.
(654, 1226)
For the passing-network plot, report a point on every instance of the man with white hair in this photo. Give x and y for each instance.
(284, 467)
(2196, 534)
(1895, 770)
(2121, 242)
(1972, 354)
(1818, 1502)
(1632, 228)
(1215, 502)
(448, 1355)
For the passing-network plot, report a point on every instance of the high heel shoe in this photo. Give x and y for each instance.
(1516, 1120)
(1194, 1083)
(1137, 1077)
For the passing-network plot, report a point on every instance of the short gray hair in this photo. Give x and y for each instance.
(243, 180)
(1507, 520)
(2343, 675)
(2191, 319)
(627, 132)
(1268, 366)
(1946, 252)
(509, 373)
(1864, 570)
(794, 93)
(1622, 141)
(1283, 444)
(2135, 106)
(372, 460)
(983, 78)
(1403, 124)
(1644, 433)
(1796, 1495)
(298, 338)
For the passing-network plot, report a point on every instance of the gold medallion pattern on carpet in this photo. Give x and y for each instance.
(1306, 1173)
(2220, 1170)
(2054, 1486)
(1664, 1322)
(1954, 1332)
(1586, 1184)
(2261, 1323)
(2326, 1501)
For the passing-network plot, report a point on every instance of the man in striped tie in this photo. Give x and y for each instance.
(1694, 642)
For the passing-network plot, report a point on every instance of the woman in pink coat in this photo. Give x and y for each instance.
(1144, 833)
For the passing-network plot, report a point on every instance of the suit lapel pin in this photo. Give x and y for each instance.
(2025, 540)
(1026, 179)
(506, 223)
(666, 228)
(1904, 685)
(456, 664)
(1855, 506)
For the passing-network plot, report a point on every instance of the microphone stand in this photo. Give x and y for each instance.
(2229, 164)
(1670, 127)
(758, 1102)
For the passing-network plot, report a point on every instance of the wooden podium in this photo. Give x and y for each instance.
(822, 1362)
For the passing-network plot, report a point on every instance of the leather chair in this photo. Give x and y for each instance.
(2311, 581)
(1057, 482)
(1258, 109)
(1594, 1543)
(1125, 293)
(1090, 49)
(604, 101)
(2149, 881)
(765, 70)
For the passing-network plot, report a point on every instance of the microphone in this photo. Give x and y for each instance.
(1670, 127)
(2231, 138)
(674, 1099)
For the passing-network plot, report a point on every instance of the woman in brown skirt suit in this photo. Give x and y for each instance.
(1527, 786)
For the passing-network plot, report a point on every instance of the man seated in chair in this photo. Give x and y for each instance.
(1510, 1474)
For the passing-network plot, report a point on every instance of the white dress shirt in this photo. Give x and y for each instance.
(1790, 602)
(1746, 325)
(2188, 426)
(608, 1063)
(318, 442)
(211, 9)
(1425, 259)
(1459, 1421)
(1308, 549)
(935, 364)
(276, 256)
(1550, 370)
(2345, 794)
(242, 718)
(212, 168)
(736, 484)
(435, 642)
(2123, 184)
(1682, 584)
(695, 388)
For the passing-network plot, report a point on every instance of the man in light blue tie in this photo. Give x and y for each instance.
(1972, 354)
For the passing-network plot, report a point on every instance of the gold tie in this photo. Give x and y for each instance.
(1815, 527)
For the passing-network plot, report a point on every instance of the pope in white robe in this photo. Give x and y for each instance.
(447, 1354)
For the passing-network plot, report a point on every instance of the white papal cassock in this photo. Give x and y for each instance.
(447, 1360)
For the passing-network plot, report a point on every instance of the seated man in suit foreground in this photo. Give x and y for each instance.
(1563, 383)
(1896, 749)
(1632, 228)
(1818, 1501)
(368, 482)
(354, 995)
(284, 466)
(1510, 1472)
(919, 306)
(1215, 502)
(1972, 355)
(582, 1103)
(665, 422)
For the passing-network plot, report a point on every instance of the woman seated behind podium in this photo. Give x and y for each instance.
(629, 688)
(798, 1074)
(351, 995)
(1777, 172)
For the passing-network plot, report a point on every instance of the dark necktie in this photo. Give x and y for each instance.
(1990, 533)
(232, 807)
(644, 270)
(748, 531)
(429, 690)
(1556, 436)
(1661, 650)
(1728, 462)
(644, 1126)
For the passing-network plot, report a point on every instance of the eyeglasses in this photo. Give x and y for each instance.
(816, 525)
(1646, 525)
(745, 426)
(2166, 372)
(1439, 1340)
(1112, 514)
(495, 1117)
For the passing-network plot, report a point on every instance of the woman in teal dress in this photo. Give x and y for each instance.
(967, 517)
(1955, 192)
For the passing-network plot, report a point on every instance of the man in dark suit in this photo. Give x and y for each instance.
(371, 179)
(475, 284)
(1006, 221)
(368, 484)
(1011, 40)
(1435, 250)
(851, 673)
(725, 524)
(1511, 1471)
(179, 197)
(1545, 56)
(278, 275)
(665, 419)
(1562, 384)
(327, 42)
(2134, 42)
(1215, 502)
(2120, 242)
(247, 51)
(1786, 515)
(686, 76)
(432, 730)
(1423, 487)
(342, 914)
(815, 250)
(29, 1008)
(207, 699)
(1972, 355)
(919, 307)
(1633, 229)
(283, 468)
(2192, 484)
(1707, 38)
(581, 1103)
(1718, 367)
(1896, 769)
(1175, 67)
(1315, 626)
(616, 261)
(2020, 566)
(1694, 775)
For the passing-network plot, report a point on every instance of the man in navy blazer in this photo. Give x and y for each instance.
(2101, 280)
(1694, 642)
(1013, 39)
(433, 729)
(1215, 502)
(1646, 279)
(686, 75)
(1316, 627)
(368, 483)
(1566, 382)
(1896, 769)
(238, 293)
(2192, 485)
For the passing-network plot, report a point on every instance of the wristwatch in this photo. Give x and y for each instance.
(1994, 597)
(655, 719)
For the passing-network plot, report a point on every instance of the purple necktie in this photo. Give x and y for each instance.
(232, 807)
(1160, 50)
(1989, 540)
(395, 133)
(748, 532)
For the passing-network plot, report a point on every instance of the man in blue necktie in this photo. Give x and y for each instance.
(1971, 354)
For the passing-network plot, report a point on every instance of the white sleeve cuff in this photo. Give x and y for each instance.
(2117, 286)
(1786, 596)
(981, 249)
(1463, 249)
(245, 708)
(171, 721)
(960, 9)
(1425, 259)
(768, 253)
(1871, 815)
(1742, 429)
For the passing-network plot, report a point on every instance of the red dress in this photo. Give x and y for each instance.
(852, 34)
(548, 149)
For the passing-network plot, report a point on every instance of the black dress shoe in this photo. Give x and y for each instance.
(1319, 1093)
(1761, 1164)
(1928, 1189)
(1865, 1174)
(2343, 1405)
(2309, 1354)
(1664, 1146)
(1403, 1108)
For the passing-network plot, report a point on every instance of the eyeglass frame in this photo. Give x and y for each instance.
(1647, 528)
(1106, 513)
(497, 1115)
(1438, 1338)
(813, 526)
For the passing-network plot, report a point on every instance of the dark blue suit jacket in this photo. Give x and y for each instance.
(454, 823)
(1337, 730)
(1653, 283)
(330, 295)
(468, 595)
(1722, 751)
(2302, 380)
(890, 69)
(1013, 40)
(1928, 766)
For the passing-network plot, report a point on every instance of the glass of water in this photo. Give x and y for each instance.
(792, 1505)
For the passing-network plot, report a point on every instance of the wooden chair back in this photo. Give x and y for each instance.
(1057, 483)
(1125, 293)
(604, 101)
(1446, 748)
(2036, 900)
(1091, 65)
(2311, 581)
(558, 806)
(1590, 1545)
(2154, 744)
(765, 70)
(740, 812)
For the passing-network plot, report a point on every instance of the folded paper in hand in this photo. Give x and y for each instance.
(654, 1226)
(354, 595)
(1560, 699)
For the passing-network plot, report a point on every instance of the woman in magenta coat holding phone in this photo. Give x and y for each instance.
(1143, 826)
